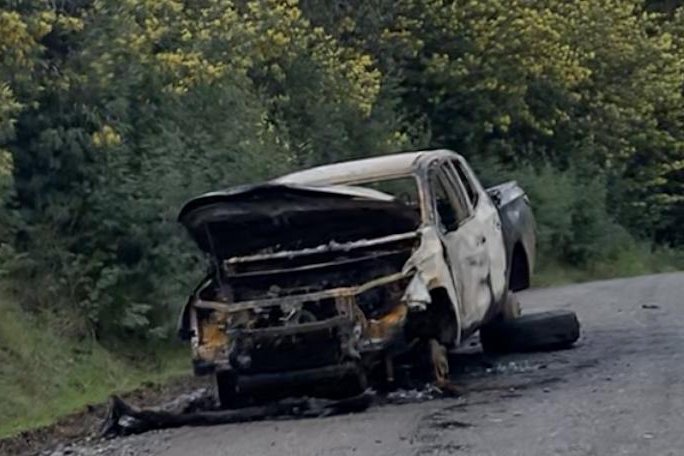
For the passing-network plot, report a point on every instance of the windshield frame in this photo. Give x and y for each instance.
(359, 183)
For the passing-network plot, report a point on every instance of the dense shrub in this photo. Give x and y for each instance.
(113, 113)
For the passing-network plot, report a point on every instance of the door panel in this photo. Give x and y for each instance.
(490, 222)
(482, 272)
(469, 260)
(465, 248)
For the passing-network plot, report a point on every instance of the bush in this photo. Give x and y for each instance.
(112, 113)
(574, 225)
(151, 105)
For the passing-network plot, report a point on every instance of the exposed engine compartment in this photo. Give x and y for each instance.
(329, 267)
(306, 281)
(272, 218)
(307, 309)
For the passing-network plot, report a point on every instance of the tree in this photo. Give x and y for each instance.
(143, 104)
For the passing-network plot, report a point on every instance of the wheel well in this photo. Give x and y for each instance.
(519, 277)
(443, 317)
(438, 322)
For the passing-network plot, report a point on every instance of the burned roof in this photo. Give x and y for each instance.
(349, 172)
(248, 217)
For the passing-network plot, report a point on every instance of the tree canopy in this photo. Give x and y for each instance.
(112, 113)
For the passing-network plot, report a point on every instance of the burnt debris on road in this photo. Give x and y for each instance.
(125, 419)
(322, 282)
(538, 332)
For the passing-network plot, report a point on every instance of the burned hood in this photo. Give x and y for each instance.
(277, 216)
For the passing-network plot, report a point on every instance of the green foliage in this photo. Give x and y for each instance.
(130, 108)
(573, 223)
(112, 113)
(45, 374)
(632, 259)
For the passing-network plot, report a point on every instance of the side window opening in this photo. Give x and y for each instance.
(445, 208)
(450, 207)
(457, 191)
(467, 184)
(404, 189)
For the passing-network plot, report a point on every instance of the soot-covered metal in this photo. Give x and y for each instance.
(320, 283)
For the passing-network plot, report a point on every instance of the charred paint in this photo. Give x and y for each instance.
(326, 273)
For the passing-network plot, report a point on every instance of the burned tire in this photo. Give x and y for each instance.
(542, 331)
(348, 386)
(429, 362)
(226, 390)
(438, 362)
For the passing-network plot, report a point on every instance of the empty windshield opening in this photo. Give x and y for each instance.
(403, 189)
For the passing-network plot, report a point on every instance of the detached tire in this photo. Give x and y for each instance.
(542, 331)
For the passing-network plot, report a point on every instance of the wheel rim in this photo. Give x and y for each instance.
(439, 362)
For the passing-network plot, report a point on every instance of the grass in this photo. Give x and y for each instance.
(45, 375)
(633, 260)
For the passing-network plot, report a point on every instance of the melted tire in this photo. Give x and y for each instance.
(544, 331)
(227, 392)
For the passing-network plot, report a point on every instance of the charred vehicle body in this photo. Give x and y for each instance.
(329, 276)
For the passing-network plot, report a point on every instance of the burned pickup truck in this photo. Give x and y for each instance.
(331, 277)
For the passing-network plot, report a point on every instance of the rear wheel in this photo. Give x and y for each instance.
(491, 335)
(511, 308)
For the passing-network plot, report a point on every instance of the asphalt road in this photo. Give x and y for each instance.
(620, 391)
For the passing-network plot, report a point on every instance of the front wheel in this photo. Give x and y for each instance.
(432, 362)
(439, 363)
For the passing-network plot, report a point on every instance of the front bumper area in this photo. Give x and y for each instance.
(290, 379)
(229, 339)
(273, 351)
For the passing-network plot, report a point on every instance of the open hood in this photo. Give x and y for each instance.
(249, 219)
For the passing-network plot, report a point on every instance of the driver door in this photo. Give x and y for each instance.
(464, 246)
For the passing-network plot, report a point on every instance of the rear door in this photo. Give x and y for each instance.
(464, 246)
